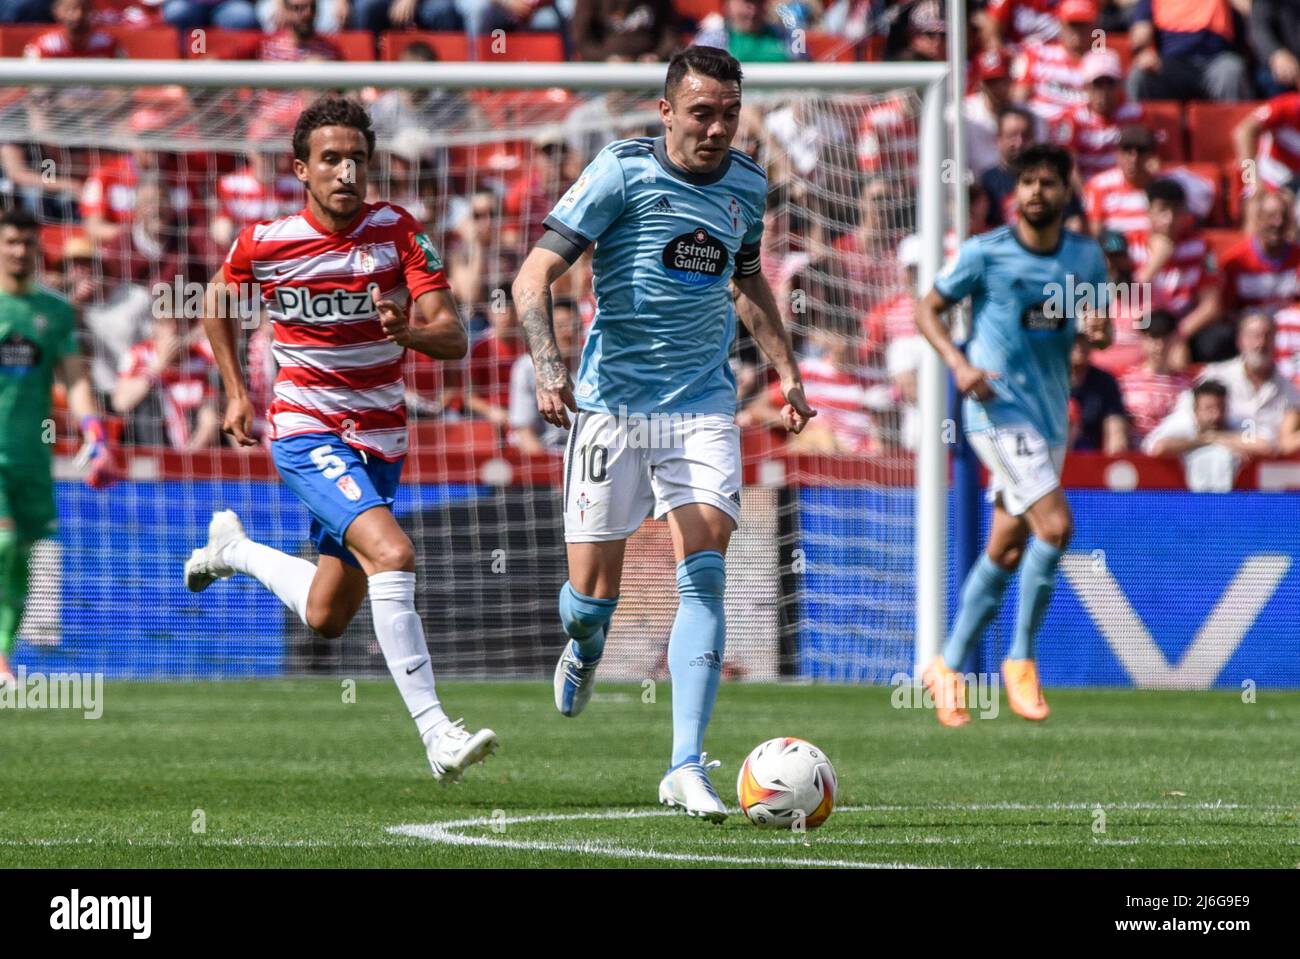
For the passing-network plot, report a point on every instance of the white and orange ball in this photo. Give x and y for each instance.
(786, 783)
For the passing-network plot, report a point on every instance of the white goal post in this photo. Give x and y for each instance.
(929, 81)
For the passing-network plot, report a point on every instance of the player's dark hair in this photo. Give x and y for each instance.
(1016, 110)
(1209, 388)
(1160, 324)
(331, 112)
(1044, 155)
(20, 218)
(705, 61)
(1168, 191)
(420, 51)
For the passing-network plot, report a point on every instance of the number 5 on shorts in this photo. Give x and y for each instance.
(331, 466)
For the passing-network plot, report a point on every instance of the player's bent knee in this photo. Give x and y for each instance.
(1009, 556)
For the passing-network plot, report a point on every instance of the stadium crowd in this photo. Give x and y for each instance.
(1183, 118)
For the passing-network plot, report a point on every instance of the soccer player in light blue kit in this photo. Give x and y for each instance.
(1034, 287)
(676, 220)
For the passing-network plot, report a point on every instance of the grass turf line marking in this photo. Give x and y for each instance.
(443, 833)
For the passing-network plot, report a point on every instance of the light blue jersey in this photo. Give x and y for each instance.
(667, 242)
(1025, 306)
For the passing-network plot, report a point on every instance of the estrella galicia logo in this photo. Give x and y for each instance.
(696, 258)
(18, 355)
(1040, 320)
(709, 658)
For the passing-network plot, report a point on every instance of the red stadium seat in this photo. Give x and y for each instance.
(148, 43)
(696, 9)
(1165, 118)
(1119, 42)
(448, 46)
(873, 48)
(53, 237)
(222, 44)
(1209, 129)
(354, 44)
(242, 44)
(828, 47)
(14, 38)
(522, 47)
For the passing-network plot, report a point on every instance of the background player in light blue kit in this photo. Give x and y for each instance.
(674, 219)
(1034, 286)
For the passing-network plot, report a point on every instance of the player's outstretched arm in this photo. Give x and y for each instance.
(219, 325)
(971, 381)
(532, 293)
(757, 309)
(435, 328)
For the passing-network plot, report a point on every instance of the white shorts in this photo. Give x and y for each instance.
(1022, 467)
(618, 471)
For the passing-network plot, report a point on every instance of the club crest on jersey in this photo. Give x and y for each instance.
(696, 258)
(296, 302)
(734, 209)
(366, 260)
(583, 504)
(348, 487)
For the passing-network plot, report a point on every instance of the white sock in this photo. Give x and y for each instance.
(289, 577)
(401, 637)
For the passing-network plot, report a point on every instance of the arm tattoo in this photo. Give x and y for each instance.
(540, 334)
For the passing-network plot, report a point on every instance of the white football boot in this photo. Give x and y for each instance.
(457, 749)
(575, 678)
(689, 788)
(204, 567)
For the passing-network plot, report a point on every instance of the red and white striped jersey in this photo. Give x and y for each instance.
(1091, 137)
(892, 320)
(1188, 270)
(1150, 397)
(1286, 347)
(339, 373)
(840, 399)
(1251, 279)
(183, 387)
(56, 44)
(1278, 156)
(1021, 20)
(1116, 204)
(889, 139)
(244, 198)
(1053, 75)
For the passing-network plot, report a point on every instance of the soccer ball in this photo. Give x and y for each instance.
(786, 781)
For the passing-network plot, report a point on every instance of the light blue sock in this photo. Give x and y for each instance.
(585, 619)
(695, 650)
(981, 598)
(1037, 580)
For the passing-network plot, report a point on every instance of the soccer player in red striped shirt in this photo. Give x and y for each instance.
(350, 286)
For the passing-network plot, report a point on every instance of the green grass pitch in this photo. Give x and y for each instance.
(287, 774)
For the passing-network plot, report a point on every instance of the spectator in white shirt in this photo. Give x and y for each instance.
(1263, 406)
(1211, 452)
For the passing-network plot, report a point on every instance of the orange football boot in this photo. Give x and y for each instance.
(1024, 694)
(949, 691)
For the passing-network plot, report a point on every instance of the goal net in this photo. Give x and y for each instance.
(140, 190)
